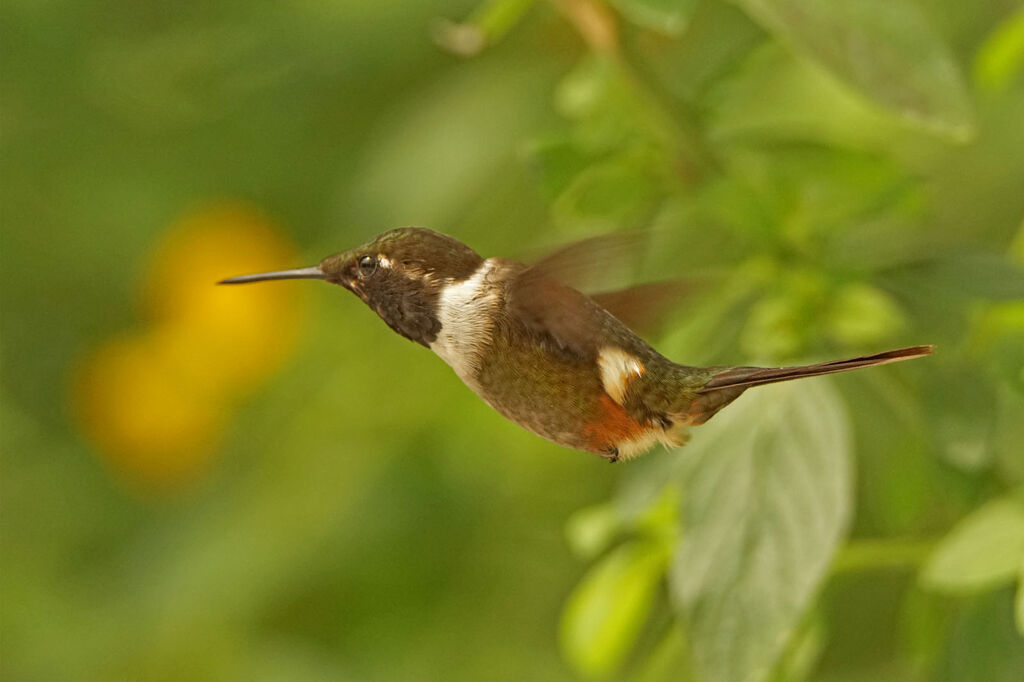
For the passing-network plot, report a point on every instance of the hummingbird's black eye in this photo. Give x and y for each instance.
(367, 266)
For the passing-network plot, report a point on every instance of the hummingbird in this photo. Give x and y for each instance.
(558, 362)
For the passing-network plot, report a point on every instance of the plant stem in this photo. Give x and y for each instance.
(860, 556)
(595, 22)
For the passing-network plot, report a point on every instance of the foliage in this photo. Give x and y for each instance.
(830, 236)
(984, 550)
(845, 176)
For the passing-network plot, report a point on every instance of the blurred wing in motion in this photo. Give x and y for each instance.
(546, 298)
(547, 295)
(586, 263)
(644, 307)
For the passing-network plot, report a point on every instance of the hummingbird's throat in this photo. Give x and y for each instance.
(466, 310)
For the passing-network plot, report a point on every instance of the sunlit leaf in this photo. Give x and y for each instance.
(773, 94)
(667, 16)
(607, 609)
(862, 315)
(983, 551)
(1001, 57)
(596, 88)
(884, 48)
(775, 327)
(765, 508)
(591, 529)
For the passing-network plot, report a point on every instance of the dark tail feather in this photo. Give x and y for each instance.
(757, 376)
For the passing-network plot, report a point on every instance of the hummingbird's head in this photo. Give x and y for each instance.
(400, 274)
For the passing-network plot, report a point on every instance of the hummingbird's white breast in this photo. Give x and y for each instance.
(466, 311)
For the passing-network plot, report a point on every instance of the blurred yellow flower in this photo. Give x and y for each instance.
(234, 336)
(151, 426)
(155, 403)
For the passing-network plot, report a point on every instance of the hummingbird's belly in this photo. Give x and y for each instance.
(555, 395)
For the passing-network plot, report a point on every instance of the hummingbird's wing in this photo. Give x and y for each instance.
(585, 264)
(547, 295)
(558, 313)
(644, 307)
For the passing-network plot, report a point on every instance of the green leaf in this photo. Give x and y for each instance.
(861, 315)
(606, 611)
(982, 552)
(773, 94)
(1001, 57)
(667, 16)
(765, 507)
(591, 529)
(884, 48)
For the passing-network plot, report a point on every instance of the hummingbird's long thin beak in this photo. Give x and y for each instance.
(299, 273)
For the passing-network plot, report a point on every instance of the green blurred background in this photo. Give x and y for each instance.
(267, 484)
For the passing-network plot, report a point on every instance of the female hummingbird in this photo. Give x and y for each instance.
(540, 352)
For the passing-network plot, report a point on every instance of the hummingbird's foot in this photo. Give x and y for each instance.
(611, 454)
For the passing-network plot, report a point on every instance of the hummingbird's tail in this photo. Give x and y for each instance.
(756, 376)
(727, 385)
